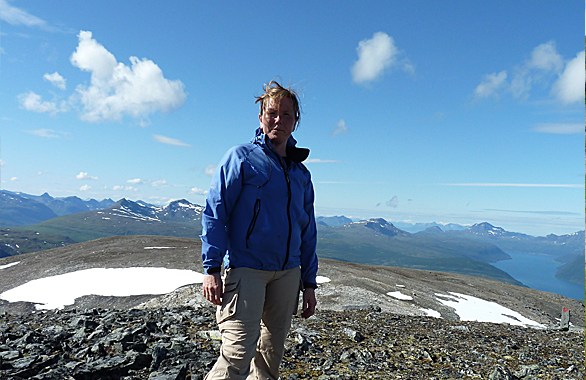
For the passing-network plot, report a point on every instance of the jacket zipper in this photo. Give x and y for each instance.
(288, 211)
(256, 211)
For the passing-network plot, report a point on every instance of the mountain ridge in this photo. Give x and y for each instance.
(469, 250)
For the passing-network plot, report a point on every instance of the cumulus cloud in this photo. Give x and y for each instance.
(198, 191)
(118, 90)
(544, 68)
(85, 176)
(169, 141)
(16, 16)
(569, 88)
(545, 57)
(375, 56)
(135, 181)
(491, 84)
(341, 127)
(31, 101)
(85, 188)
(56, 80)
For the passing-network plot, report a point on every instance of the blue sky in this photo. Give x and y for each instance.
(459, 111)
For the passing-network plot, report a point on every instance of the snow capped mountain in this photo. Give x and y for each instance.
(486, 229)
(176, 211)
(181, 209)
(381, 226)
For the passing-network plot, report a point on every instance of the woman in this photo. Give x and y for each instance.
(259, 222)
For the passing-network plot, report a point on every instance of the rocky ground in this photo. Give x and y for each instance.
(182, 343)
(359, 332)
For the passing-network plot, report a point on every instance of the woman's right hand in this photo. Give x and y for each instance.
(213, 289)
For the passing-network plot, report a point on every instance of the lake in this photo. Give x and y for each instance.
(538, 272)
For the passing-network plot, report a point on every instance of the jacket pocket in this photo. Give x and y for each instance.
(229, 302)
(255, 213)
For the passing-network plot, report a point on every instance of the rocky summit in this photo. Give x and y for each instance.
(162, 343)
(358, 332)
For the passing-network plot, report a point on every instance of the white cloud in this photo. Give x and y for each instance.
(85, 188)
(118, 90)
(159, 183)
(123, 188)
(375, 55)
(135, 181)
(47, 133)
(210, 170)
(545, 61)
(560, 128)
(56, 80)
(16, 16)
(541, 69)
(169, 141)
(546, 58)
(491, 84)
(569, 88)
(198, 191)
(341, 127)
(33, 102)
(85, 176)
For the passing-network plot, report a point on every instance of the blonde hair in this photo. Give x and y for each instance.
(273, 90)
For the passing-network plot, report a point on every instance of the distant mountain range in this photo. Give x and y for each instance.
(32, 223)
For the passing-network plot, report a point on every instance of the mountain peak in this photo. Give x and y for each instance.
(486, 228)
(380, 225)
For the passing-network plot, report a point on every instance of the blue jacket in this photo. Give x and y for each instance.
(259, 211)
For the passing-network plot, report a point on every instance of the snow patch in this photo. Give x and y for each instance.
(55, 292)
(431, 313)
(9, 265)
(322, 279)
(400, 296)
(470, 308)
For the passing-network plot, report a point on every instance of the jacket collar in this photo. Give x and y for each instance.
(294, 153)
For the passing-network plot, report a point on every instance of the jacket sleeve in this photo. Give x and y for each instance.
(309, 264)
(222, 195)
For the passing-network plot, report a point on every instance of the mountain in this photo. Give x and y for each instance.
(333, 221)
(378, 242)
(179, 218)
(125, 217)
(16, 210)
(465, 250)
(418, 227)
(19, 209)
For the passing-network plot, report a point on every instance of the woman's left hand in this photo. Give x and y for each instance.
(309, 302)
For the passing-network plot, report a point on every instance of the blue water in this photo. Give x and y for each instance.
(538, 272)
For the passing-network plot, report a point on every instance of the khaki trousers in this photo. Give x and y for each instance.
(254, 320)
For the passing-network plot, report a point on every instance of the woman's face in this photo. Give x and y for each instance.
(278, 120)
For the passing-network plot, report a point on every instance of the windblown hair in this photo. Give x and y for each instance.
(273, 90)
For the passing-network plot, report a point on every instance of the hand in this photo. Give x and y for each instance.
(213, 289)
(309, 302)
